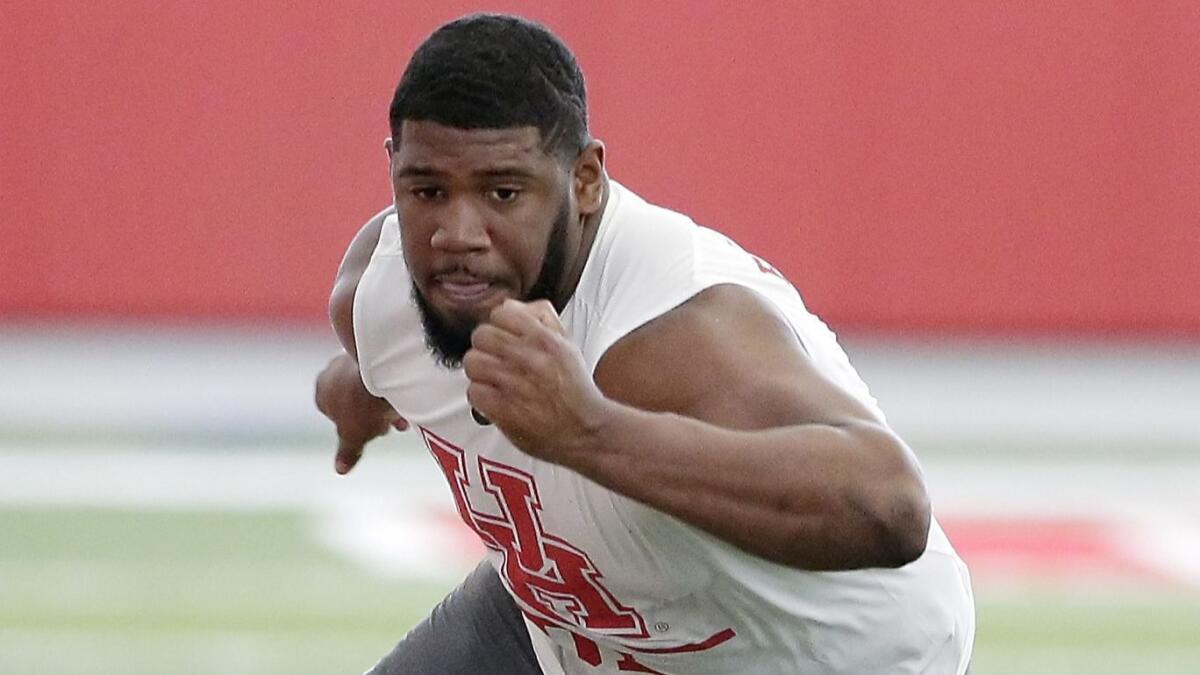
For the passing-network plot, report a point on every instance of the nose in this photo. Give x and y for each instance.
(461, 228)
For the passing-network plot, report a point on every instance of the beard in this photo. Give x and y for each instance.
(449, 338)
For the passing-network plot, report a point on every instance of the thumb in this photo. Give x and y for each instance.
(348, 454)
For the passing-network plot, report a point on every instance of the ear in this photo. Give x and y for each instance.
(589, 178)
(390, 146)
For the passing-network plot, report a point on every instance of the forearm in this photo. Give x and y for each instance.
(813, 496)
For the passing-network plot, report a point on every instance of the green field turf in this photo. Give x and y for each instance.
(130, 592)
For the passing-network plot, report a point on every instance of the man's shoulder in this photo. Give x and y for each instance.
(642, 266)
(633, 215)
(651, 258)
(653, 238)
(640, 242)
(350, 272)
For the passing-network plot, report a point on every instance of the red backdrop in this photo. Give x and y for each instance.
(996, 166)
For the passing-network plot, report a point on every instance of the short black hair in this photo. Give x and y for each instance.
(494, 71)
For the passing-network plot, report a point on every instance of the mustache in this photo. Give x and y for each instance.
(461, 268)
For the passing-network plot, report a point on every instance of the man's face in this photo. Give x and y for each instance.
(486, 214)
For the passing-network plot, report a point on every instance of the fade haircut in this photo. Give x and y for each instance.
(492, 71)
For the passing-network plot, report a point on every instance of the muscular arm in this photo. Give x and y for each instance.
(715, 414)
(739, 434)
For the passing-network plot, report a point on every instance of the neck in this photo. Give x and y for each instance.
(590, 226)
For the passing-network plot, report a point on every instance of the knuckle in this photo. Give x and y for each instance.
(471, 365)
(483, 336)
(501, 310)
(548, 344)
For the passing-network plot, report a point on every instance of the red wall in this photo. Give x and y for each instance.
(1015, 167)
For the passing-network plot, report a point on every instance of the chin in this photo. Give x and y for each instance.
(460, 320)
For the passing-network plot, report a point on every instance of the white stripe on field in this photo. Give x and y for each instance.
(394, 514)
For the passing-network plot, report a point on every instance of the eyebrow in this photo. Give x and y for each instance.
(425, 171)
(507, 172)
(418, 171)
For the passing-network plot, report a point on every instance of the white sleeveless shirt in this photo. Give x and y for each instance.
(615, 586)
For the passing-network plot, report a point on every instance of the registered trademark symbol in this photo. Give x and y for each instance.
(662, 626)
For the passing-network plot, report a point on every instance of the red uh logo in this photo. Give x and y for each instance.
(767, 268)
(549, 575)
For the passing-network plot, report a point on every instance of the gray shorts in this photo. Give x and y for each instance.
(476, 630)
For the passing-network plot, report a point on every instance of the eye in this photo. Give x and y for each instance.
(426, 193)
(504, 194)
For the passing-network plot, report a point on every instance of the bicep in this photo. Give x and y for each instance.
(354, 263)
(727, 356)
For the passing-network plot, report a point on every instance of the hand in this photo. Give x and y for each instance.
(358, 416)
(531, 382)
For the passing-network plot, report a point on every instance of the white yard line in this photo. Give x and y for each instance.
(225, 478)
(1098, 488)
(1167, 542)
(394, 516)
(404, 543)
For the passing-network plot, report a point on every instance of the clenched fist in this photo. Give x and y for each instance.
(531, 382)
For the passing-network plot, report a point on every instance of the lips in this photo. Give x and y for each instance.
(463, 288)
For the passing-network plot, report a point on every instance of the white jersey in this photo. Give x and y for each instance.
(609, 585)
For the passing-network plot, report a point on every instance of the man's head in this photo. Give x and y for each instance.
(496, 180)
(490, 71)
